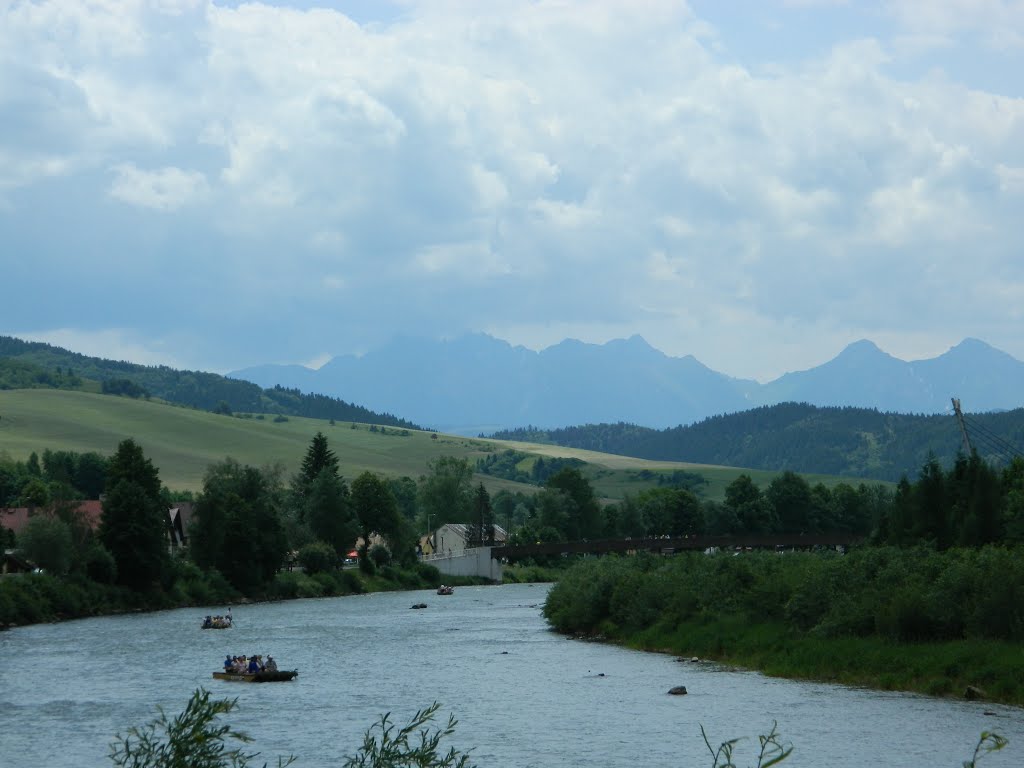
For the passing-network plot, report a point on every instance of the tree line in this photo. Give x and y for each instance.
(248, 523)
(849, 442)
(971, 504)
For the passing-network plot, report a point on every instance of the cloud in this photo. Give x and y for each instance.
(996, 23)
(311, 182)
(165, 190)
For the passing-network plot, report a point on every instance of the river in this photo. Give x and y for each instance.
(523, 695)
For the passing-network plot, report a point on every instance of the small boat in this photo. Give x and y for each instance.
(278, 676)
(216, 622)
(445, 590)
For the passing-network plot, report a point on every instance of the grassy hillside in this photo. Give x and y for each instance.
(34, 365)
(183, 442)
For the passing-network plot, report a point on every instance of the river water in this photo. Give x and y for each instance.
(523, 695)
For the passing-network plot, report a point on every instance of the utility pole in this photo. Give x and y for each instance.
(968, 450)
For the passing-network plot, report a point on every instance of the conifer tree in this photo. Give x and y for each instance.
(135, 525)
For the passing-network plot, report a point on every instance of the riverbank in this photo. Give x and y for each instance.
(36, 598)
(942, 624)
(970, 669)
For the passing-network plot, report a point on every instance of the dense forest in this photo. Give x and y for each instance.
(850, 442)
(25, 365)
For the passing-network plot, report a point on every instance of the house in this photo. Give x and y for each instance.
(12, 563)
(91, 512)
(450, 540)
(15, 518)
(179, 516)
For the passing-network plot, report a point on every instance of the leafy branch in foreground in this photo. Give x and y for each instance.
(773, 751)
(393, 749)
(194, 740)
(190, 740)
(990, 741)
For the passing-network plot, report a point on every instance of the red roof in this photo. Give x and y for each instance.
(15, 518)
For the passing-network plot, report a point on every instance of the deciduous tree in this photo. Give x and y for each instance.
(236, 527)
(445, 491)
(375, 509)
(46, 541)
(586, 519)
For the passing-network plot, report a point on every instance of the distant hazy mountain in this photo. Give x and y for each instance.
(477, 383)
(984, 379)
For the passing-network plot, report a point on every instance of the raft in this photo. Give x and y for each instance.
(257, 677)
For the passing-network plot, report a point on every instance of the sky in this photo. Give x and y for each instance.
(215, 185)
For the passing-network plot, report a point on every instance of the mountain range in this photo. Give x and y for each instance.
(477, 384)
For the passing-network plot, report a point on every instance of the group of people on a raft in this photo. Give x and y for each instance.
(240, 665)
(217, 622)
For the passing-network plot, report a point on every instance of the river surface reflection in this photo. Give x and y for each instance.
(523, 695)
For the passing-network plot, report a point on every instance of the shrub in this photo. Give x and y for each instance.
(351, 584)
(429, 574)
(328, 583)
(100, 565)
(317, 557)
(193, 738)
(289, 586)
(285, 586)
(380, 555)
(412, 744)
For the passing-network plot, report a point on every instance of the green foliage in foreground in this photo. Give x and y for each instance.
(196, 739)
(895, 619)
(772, 751)
(411, 745)
(192, 739)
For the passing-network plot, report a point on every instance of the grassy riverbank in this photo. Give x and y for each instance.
(935, 669)
(934, 623)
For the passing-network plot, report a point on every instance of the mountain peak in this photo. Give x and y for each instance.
(971, 344)
(860, 347)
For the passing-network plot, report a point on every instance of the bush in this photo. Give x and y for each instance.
(317, 557)
(100, 565)
(327, 581)
(193, 738)
(351, 584)
(291, 585)
(380, 555)
(411, 745)
(7, 613)
(429, 574)
(28, 605)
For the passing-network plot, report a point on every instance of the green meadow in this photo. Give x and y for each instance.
(183, 442)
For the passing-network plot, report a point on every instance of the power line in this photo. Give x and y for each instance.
(976, 435)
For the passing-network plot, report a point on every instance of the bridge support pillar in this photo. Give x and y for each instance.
(472, 562)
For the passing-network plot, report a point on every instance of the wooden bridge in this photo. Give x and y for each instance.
(670, 545)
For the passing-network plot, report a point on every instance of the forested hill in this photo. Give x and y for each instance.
(854, 442)
(25, 364)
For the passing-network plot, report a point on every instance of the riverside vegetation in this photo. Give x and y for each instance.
(940, 623)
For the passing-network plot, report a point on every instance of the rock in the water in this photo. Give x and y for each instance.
(679, 690)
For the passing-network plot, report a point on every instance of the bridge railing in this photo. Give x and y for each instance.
(669, 544)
